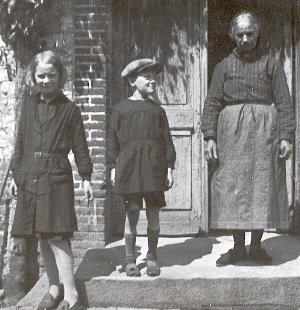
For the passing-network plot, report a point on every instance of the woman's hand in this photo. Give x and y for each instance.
(13, 188)
(210, 150)
(285, 149)
(88, 190)
(170, 179)
(113, 176)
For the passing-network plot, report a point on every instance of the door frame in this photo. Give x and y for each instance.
(201, 190)
(296, 93)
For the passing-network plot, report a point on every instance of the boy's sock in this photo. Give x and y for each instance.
(152, 242)
(256, 236)
(130, 240)
(239, 238)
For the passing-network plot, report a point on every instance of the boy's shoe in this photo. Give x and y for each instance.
(153, 269)
(232, 256)
(132, 270)
(260, 256)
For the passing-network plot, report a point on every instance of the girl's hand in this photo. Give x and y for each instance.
(13, 188)
(170, 179)
(88, 190)
(211, 150)
(285, 149)
(113, 176)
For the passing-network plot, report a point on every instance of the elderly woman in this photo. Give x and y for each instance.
(248, 125)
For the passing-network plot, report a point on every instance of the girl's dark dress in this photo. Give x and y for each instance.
(140, 147)
(41, 168)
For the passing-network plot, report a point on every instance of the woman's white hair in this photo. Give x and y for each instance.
(248, 15)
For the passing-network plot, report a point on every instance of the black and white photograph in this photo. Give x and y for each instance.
(150, 154)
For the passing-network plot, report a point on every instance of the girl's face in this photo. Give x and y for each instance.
(245, 34)
(145, 83)
(47, 78)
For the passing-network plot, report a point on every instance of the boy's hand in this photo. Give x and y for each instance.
(211, 150)
(285, 149)
(113, 176)
(170, 179)
(88, 190)
(13, 188)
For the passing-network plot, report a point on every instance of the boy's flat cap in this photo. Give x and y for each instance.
(139, 65)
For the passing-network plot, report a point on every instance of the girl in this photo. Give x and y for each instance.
(141, 155)
(50, 126)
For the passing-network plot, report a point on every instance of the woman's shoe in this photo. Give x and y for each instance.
(49, 302)
(64, 305)
(232, 256)
(259, 256)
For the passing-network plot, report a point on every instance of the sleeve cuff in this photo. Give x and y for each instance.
(171, 165)
(286, 136)
(210, 134)
(86, 178)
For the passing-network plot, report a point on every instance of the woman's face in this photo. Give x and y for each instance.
(245, 34)
(47, 78)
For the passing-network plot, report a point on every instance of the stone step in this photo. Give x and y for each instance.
(189, 277)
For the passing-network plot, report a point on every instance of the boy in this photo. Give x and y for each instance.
(141, 156)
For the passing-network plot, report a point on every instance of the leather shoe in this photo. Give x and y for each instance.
(232, 256)
(48, 302)
(259, 256)
(64, 305)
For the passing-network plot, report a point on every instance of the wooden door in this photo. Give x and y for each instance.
(172, 32)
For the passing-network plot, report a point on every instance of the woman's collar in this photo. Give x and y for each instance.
(256, 53)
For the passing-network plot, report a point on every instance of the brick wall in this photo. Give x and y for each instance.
(91, 46)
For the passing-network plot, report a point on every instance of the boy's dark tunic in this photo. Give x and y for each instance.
(41, 168)
(140, 147)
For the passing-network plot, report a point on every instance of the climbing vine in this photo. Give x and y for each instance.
(22, 21)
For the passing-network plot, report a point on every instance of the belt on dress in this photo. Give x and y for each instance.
(46, 155)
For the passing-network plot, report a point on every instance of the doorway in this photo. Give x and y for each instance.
(170, 32)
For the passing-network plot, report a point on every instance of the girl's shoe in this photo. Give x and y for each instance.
(49, 302)
(64, 305)
(132, 270)
(153, 269)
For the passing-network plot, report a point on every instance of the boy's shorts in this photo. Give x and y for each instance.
(152, 199)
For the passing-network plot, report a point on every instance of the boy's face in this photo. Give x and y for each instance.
(47, 78)
(145, 83)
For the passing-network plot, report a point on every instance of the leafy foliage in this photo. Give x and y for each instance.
(21, 21)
